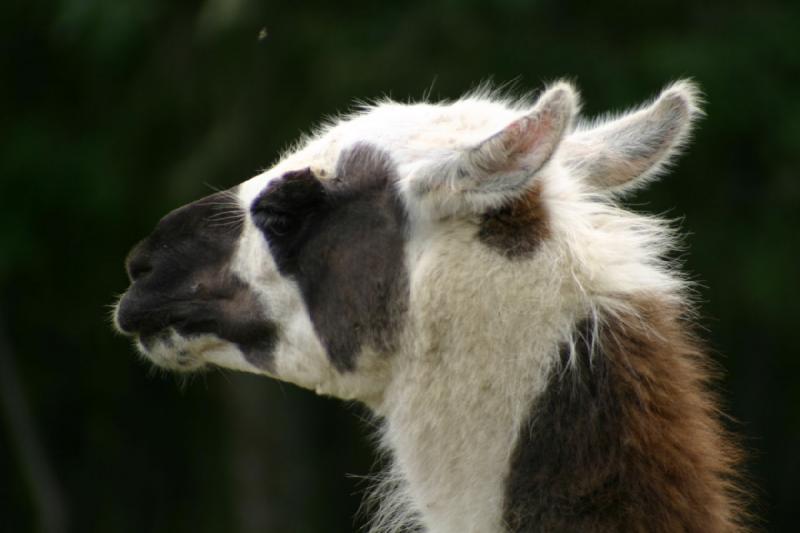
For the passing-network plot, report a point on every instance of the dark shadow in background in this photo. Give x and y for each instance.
(115, 112)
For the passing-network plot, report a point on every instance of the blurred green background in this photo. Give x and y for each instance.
(114, 112)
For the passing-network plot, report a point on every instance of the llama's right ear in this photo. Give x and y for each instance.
(502, 165)
(621, 154)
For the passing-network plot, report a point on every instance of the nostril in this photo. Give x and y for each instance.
(136, 270)
(138, 264)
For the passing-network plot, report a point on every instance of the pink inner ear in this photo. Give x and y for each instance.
(527, 141)
(529, 133)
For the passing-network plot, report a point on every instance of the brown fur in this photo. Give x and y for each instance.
(627, 438)
(515, 230)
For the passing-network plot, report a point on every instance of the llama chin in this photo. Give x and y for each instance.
(465, 269)
(172, 351)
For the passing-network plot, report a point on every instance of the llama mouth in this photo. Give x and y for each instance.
(173, 350)
(209, 328)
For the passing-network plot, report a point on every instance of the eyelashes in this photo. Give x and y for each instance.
(274, 223)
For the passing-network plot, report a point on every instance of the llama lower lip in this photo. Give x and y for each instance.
(166, 350)
(148, 341)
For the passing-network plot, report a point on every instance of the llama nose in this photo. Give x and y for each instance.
(138, 263)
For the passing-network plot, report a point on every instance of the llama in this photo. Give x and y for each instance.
(465, 270)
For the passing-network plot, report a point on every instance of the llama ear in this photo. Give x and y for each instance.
(624, 153)
(504, 164)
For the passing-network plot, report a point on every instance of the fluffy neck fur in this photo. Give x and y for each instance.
(466, 416)
(456, 406)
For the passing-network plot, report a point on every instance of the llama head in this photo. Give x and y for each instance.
(397, 229)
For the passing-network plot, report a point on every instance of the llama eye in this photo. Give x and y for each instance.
(273, 222)
(278, 224)
(284, 206)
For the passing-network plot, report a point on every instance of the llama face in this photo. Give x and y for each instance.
(185, 300)
(303, 280)
(327, 268)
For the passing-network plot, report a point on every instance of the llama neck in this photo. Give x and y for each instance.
(614, 431)
(453, 420)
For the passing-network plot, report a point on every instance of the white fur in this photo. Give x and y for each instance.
(483, 337)
(464, 384)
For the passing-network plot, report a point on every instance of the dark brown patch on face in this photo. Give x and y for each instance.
(516, 229)
(180, 279)
(627, 439)
(342, 241)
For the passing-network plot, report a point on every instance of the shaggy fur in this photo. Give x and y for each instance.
(626, 437)
(537, 371)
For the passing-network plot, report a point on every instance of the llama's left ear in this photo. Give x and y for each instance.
(621, 154)
(503, 165)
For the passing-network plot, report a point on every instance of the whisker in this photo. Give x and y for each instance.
(226, 198)
(224, 222)
(226, 215)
